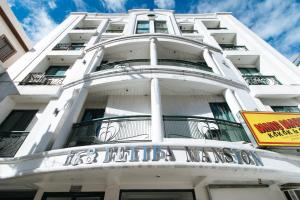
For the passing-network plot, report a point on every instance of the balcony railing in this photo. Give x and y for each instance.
(111, 130)
(203, 128)
(42, 79)
(189, 31)
(171, 62)
(217, 28)
(85, 28)
(261, 80)
(10, 142)
(230, 47)
(68, 46)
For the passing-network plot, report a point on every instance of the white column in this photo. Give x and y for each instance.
(96, 60)
(157, 127)
(232, 102)
(112, 192)
(209, 61)
(153, 51)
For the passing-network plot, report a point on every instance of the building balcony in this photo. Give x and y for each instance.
(230, 47)
(169, 62)
(10, 142)
(261, 80)
(203, 128)
(111, 130)
(42, 79)
(68, 46)
(138, 129)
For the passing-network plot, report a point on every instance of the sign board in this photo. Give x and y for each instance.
(274, 128)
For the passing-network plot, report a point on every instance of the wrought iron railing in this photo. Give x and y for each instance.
(230, 47)
(203, 128)
(42, 79)
(261, 80)
(10, 142)
(111, 130)
(68, 46)
(172, 62)
(189, 31)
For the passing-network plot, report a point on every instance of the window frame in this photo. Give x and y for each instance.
(137, 24)
(159, 21)
(6, 57)
(230, 114)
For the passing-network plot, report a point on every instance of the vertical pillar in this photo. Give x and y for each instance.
(232, 102)
(153, 51)
(96, 60)
(112, 192)
(157, 130)
(209, 61)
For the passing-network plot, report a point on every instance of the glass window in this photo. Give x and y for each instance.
(17, 120)
(76, 46)
(73, 196)
(115, 28)
(142, 27)
(160, 27)
(6, 49)
(17, 195)
(249, 71)
(285, 108)
(56, 70)
(90, 114)
(221, 111)
(157, 195)
(292, 194)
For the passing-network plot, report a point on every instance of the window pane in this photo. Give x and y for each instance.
(249, 71)
(221, 111)
(142, 27)
(161, 27)
(17, 120)
(6, 49)
(56, 70)
(90, 114)
(285, 108)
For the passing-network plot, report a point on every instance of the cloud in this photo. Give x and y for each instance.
(52, 4)
(80, 5)
(165, 4)
(114, 5)
(38, 24)
(276, 21)
(11, 3)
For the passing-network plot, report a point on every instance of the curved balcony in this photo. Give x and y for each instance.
(10, 142)
(171, 62)
(203, 128)
(111, 130)
(138, 129)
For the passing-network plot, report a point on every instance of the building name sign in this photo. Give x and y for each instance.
(153, 154)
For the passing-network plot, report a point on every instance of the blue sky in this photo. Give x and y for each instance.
(276, 21)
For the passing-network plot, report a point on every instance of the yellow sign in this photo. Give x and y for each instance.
(274, 128)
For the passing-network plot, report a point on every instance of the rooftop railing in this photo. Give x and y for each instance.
(203, 128)
(261, 80)
(111, 130)
(171, 62)
(230, 47)
(68, 46)
(42, 79)
(10, 142)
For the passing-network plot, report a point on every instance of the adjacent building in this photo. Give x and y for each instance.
(151, 105)
(13, 41)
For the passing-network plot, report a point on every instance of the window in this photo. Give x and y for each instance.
(73, 196)
(249, 71)
(292, 194)
(17, 120)
(90, 114)
(187, 28)
(285, 108)
(56, 70)
(157, 194)
(160, 27)
(6, 49)
(17, 195)
(76, 46)
(115, 28)
(142, 27)
(221, 111)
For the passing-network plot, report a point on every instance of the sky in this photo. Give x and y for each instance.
(276, 21)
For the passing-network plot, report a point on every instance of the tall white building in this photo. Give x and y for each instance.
(147, 105)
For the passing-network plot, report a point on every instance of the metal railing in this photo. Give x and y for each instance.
(68, 46)
(171, 62)
(230, 47)
(10, 142)
(111, 130)
(261, 80)
(217, 28)
(114, 31)
(203, 128)
(189, 31)
(42, 79)
(85, 28)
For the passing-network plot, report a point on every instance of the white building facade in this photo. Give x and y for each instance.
(146, 105)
